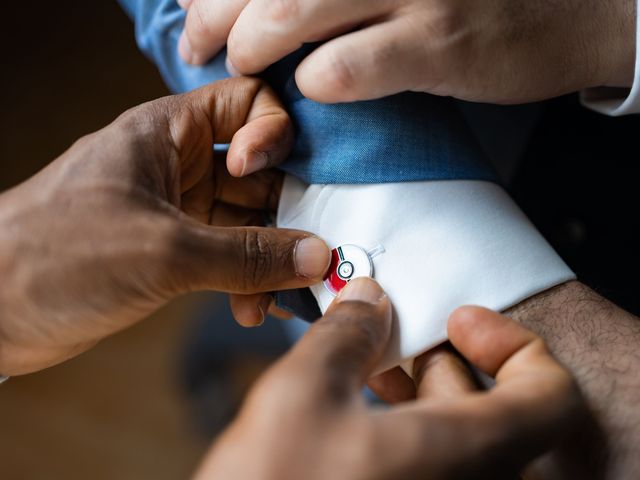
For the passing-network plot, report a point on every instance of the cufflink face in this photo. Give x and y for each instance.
(347, 262)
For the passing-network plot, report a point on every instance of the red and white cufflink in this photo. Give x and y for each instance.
(349, 262)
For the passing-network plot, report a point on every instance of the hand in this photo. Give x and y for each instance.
(122, 222)
(306, 417)
(500, 51)
(598, 342)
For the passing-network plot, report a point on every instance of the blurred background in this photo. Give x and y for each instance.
(145, 403)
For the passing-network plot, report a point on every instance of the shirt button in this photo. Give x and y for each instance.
(347, 262)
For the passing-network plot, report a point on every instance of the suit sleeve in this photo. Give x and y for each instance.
(158, 24)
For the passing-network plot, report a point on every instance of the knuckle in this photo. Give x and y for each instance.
(199, 27)
(341, 75)
(443, 23)
(132, 118)
(284, 11)
(241, 51)
(259, 257)
(433, 358)
(147, 118)
(444, 46)
(236, 94)
(85, 142)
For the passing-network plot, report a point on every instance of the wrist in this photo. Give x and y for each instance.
(618, 46)
(598, 342)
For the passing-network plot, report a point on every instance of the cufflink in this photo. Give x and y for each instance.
(347, 262)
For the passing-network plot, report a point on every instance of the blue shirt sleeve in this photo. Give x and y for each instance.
(158, 24)
(405, 137)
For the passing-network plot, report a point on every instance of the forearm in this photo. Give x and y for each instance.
(599, 343)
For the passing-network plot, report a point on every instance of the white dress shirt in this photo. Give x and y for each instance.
(444, 243)
(438, 245)
(618, 101)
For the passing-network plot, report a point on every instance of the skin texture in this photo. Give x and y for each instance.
(134, 208)
(306, 417)
(142, 211)
(598, 342)
(499, 51)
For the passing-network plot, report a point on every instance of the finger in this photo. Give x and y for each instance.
(244, 260)
(250, 310)
(535, 400)
(489, 340)
(241, 111)
(265, 141)
(393, 386)
(225, 215)
(260, 190)
(267, 31)
(207, 28)
(274, 311)
(221, 214)
(377, 61)
(441, 374)
(487, 435)
(334, 359)
(221, 199)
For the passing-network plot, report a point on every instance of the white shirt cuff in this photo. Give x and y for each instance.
(3, 379)
(445, 243)
(616, 102)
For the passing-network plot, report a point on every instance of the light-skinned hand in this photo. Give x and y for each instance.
(499, 51)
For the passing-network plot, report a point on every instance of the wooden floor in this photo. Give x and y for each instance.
(115, 412)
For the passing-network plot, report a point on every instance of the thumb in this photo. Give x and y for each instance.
(246, 259)
(334, 359)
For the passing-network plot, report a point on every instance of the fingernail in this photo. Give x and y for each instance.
(254, 161)
(311, 257)
(230, 68)
(263, 308)
(184, 4)
(362, 289)
(184, 48)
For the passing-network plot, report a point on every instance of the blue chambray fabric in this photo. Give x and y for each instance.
(405, 137)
